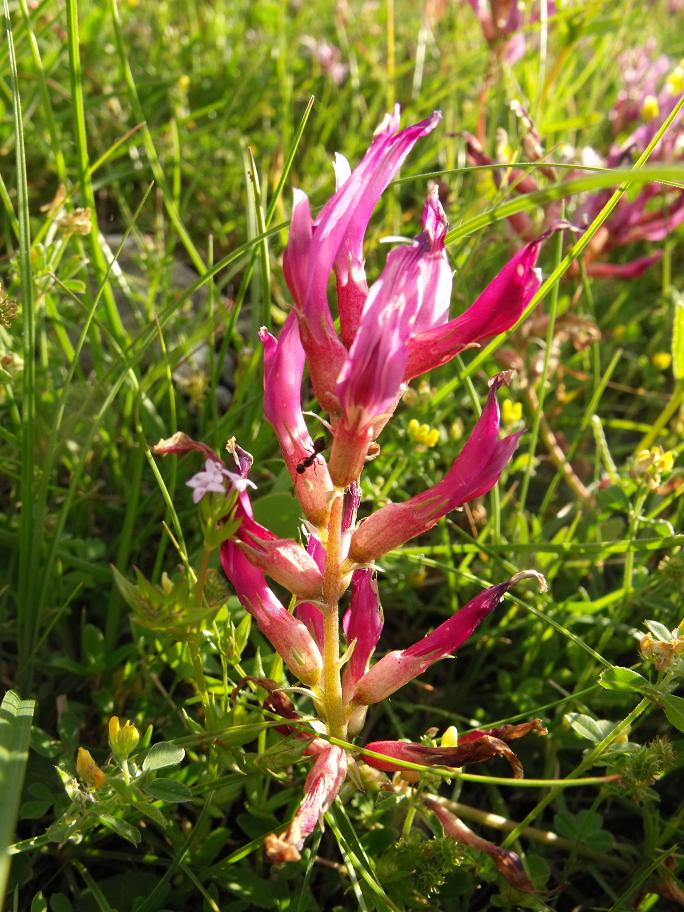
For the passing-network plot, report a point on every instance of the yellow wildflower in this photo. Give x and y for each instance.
(450, 737)
(675, 81)
(661, 360)
(89, 772)
(122, 740)
(650, 107)
(511, 412)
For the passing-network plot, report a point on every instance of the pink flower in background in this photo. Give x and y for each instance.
(503, 21)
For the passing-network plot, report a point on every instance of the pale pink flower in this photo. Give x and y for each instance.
(320, 789)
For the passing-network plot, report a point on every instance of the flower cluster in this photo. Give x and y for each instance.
(651, 89)
(390, 332)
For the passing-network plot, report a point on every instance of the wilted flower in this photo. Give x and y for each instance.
(89, 772)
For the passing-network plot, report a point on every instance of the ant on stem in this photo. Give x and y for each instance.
(319, 444)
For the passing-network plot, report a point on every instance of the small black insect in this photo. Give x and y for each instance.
(319, 444)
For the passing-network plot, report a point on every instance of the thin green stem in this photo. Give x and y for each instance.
(589, 760)
(550, 331)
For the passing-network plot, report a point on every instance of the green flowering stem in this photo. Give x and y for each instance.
(200, 680)
(663, 418)
(332, 684)
(634, 519)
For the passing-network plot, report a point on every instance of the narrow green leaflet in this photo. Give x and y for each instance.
(15, 733)
(678, 339)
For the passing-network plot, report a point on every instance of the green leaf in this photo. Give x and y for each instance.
(659, 631)
(678, 339)
(592, 729)
(586, 828)
(674, 710)
(624, 679)
(15, 734)
(163, 754)
(168, 790)
(39, 903)
(121, 828)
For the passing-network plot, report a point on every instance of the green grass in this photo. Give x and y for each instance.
(184, 127)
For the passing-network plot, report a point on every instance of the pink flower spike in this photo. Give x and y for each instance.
(497, 309)
(474, 472)
(399, 667)
(283, 371)
(288, 636)
(362, 625)
(320, 790)
(283, 559)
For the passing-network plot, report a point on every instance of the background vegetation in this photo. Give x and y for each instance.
(183, 127)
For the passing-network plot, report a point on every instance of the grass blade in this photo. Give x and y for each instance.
(15, 732)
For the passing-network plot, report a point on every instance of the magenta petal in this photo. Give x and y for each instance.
(434, 286)
(474, 472)
(362, 622)
(399, 667)
(345, 216)
(296, 256)
(372, 375)
(495, 310)
(309, 614)
(283, 559)
(288, 635)
(283, 371)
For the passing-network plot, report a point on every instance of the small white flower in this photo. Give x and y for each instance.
(213, 480)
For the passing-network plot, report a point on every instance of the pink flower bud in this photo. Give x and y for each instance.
(362, 625)
(283, 371)
(288, 636)
(282, 559)
(476, 469)
(495, 310)
(400, 666)
(320, 789)
(413, 289)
